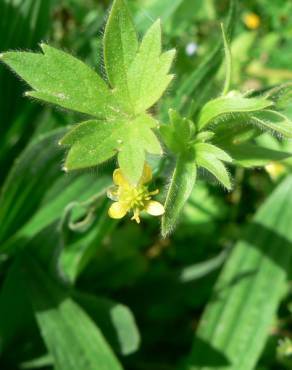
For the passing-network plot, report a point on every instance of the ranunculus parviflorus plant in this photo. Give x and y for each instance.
(120, 122)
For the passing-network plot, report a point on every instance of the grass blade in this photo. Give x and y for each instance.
(33, 173)
(197, 81)
(71, 337)
(236, 323)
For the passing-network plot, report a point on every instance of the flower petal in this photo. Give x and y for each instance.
(112, 193)
(117, 210)
(154, 208)
(146, 175)
(119, 178)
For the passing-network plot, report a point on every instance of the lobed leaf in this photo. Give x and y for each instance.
(61, 79)
(120, 48)
(148, 74)
(93, 142)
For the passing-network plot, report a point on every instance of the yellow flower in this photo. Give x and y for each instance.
(275, 170)
(136, 198)
(252, 21)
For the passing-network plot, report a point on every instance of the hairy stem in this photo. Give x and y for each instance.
(181, 186)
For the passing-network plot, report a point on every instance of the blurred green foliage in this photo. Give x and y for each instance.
(102, 295)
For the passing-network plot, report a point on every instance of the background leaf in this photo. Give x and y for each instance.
(250, 155)
(247, 294)
(23, 189)
(197, 82)
(72, 347)
(115, 320)
(22, 25)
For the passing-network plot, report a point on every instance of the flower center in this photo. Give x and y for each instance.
(135, 197)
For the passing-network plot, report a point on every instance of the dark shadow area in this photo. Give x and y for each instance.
(100, 311)
(270, 243)
(21, 28)
(206, 355)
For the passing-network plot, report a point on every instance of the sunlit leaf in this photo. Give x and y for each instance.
(94, 142)
(230, 104)
(59, 78)
(120, 48)
(234, 327)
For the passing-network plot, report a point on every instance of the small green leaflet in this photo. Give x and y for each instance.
(231, 103)
(273, 121)
(177, 134)
(180, 137)
(192, 151)
(138, 74)
(210, 157)
(213, 151)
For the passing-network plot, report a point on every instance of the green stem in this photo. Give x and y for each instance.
(181, 186)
